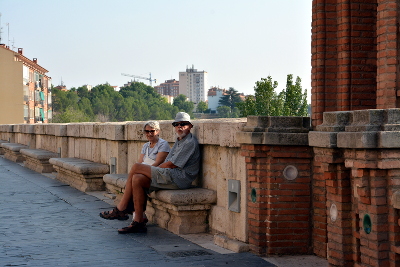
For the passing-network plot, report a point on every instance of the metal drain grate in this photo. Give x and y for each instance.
(187, 253)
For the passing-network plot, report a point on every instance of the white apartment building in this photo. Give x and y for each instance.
(213, 96)
(193, 84)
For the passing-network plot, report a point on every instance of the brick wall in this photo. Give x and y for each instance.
(278, 208)
(343, 56)
(388, 52)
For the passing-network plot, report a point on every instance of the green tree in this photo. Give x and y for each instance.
(266, 102)
(202, 107)
(183, 104)
(230, 98)
(294, 100)
(70, 115)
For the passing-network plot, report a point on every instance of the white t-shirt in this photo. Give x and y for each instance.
(150, 153)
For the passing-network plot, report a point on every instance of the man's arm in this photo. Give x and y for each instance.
(168, 165)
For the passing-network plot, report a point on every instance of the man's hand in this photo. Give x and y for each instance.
(168, 165)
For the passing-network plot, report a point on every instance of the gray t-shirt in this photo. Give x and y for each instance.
(185, 154)
(161, 146)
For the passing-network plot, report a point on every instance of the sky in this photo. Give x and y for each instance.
(237, 42)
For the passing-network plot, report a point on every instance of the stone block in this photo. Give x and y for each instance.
(73, 130)
(17, 128)
(396, 199)
(288, 139)
(12, 151)
(86, 130)
(392, 120)
(366, 120)
(250, 137)
(115, 131)
(40, 129)
(335, 121)
(134, 131)
(357, 140)
(1, 148)
(278, 124)
(38, 160)
(82, 174)
(234, 245)
(60, 129)
(187, 196)
(322, 139)
(389, 139)
(28, 128)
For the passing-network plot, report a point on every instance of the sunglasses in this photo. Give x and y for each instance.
(180, 124)
(149, 131)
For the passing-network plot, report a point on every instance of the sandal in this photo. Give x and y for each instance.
(114, 214)
(135, 227)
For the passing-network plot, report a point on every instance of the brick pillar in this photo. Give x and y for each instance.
(370, 199)
(343, 48)
(278, 161)
(357, 153)
(388, 90)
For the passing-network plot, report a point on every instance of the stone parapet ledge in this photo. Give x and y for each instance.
(371, 128)
(269, 130)
(326, 133)
(221, 132)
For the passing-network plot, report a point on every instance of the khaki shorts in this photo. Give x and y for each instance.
(161, 179)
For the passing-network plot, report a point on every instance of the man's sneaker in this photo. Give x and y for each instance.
(135, 227)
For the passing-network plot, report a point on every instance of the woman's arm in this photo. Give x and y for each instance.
(141, 158)
(160, 158)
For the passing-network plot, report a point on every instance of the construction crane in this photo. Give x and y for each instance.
(140, 77)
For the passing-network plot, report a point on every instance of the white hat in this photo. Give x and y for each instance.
(182, 116)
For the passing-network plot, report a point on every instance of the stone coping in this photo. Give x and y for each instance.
(360, 129)
(13, 146)
(39, 153)
(80, 166)
(119, 180)
(220, 132)
(183, 197)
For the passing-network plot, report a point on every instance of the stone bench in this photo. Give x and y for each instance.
(82, 174)
(179, 211)
(12, 151)
(38, 159)
(1, 148)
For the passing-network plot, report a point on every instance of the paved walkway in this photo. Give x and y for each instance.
(44, 222)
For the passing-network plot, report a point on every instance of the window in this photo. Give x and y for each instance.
(26, 112)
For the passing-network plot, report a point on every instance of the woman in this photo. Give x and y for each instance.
(153, 153)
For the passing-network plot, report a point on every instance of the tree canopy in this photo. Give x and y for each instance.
(230, 98)
(135, 102)
(291, 101)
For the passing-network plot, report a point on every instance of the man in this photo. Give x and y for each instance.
(178, 171)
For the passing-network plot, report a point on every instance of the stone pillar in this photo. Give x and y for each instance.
(278, 162)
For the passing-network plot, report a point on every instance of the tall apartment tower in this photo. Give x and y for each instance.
(193, 84)
(25, 95)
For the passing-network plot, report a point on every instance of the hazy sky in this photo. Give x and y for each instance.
(237, 42)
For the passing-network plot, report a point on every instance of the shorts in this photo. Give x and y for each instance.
(161, 179)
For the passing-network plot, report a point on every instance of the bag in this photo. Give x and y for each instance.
(147, 160)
